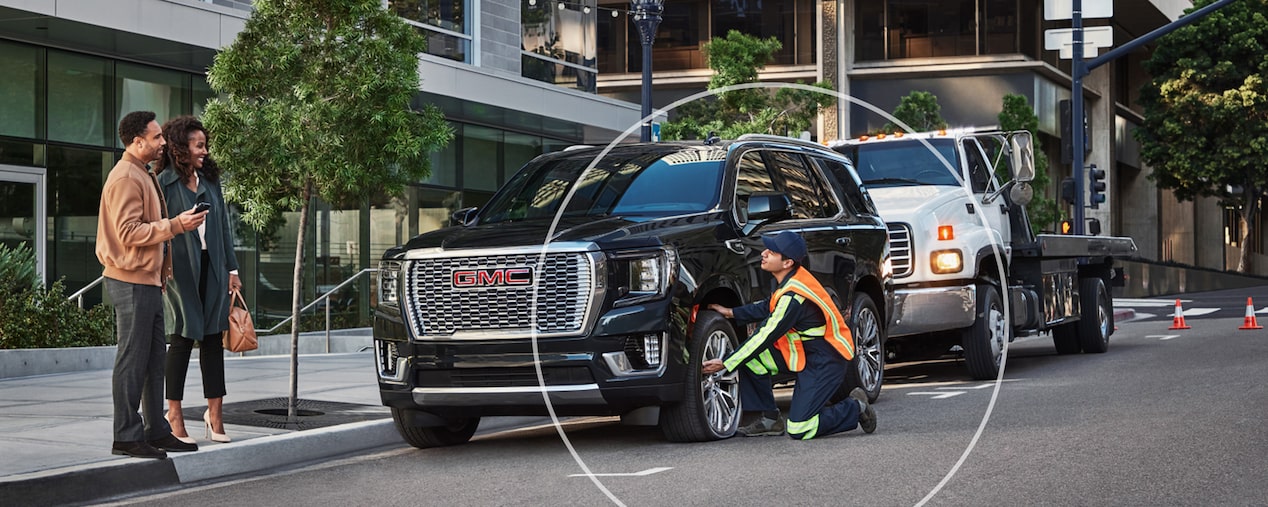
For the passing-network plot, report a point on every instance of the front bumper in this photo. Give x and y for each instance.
(925, 310)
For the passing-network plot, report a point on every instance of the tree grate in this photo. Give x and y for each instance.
(271, 413)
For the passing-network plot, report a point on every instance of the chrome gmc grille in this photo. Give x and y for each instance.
(439, 309)
(900, 249)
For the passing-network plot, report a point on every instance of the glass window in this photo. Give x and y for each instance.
(558, 40)
(751, 177)
(77, 111)
(810, 198)
(480, 158)
(931, 28)
(869, 31)
(979, 170)
(202, 95)
(22, 91)
(519, 149)
(140, 88)
(21, 153)
(74, 196)
(855, 201)
(444, 162)
(444, 23)
(999, 27)
(792, 22)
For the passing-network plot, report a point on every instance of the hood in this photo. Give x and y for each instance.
(611, 232)
(903, 203)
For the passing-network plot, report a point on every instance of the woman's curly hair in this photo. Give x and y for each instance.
(177, 131)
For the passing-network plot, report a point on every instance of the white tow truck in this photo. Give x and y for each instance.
(961, 242)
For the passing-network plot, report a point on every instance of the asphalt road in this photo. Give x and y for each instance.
(1164, 418)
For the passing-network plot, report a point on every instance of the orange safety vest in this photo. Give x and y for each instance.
(837, 332)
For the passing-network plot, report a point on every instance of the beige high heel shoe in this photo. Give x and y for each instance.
(212, 435)
(188, 440)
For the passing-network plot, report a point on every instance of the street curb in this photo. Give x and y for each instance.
(94, 483)
(1124, 314)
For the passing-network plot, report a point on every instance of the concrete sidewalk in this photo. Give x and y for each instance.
(56, 430)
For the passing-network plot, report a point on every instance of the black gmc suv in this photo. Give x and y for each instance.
(586, 277)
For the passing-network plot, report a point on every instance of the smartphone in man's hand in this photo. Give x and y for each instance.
(202, 206)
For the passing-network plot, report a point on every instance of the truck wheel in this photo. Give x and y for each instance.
(1066, 338)
(710, 408)
(423, 437)
(1096, 320)
(867, 370)
(984, 342)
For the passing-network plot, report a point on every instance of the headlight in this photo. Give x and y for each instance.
(389, 284)
(642, 275)
(947, 261)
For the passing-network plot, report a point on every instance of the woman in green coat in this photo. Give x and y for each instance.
(205, 270)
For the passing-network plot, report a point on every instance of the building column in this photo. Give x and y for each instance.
(1100, 115)
(831, 30)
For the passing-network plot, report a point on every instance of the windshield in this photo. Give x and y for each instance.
(630, 183)
(888, 164)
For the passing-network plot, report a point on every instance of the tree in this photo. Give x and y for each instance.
(736, 59)
(315, 102)
(1017, 114)
(1206, 112)
(920, 110)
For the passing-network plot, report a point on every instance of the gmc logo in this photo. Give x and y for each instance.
(492, 277)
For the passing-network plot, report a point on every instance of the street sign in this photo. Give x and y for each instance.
(1064, 9)
(1057, 38)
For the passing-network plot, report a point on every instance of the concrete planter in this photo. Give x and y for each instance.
(28, 362)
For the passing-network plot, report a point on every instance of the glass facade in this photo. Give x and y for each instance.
(60, 113)
(557, 42)
(899, 29)
(446, 24)
(687, 25)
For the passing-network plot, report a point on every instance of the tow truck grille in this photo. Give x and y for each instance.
(439, 309)
(900, 249)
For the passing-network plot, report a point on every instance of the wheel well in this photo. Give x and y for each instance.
(988, 271)
(872, 287)
(720, 296)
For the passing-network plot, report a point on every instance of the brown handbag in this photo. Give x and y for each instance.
(240, 337)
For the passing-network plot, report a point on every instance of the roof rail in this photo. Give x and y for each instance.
(781, 139)
(578, 147)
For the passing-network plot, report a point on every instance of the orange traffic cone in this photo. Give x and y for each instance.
(1249, 322)
(1177, 322)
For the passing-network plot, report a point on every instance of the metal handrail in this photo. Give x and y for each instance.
(79, 294)
(323, 297)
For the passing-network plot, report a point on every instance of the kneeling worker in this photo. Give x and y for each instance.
(802, 322)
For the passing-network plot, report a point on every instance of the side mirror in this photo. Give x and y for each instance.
(1022, 157)
(767, 206)
(1022, 193)
(463, 216)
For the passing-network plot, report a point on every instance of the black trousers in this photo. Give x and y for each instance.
(211, 355)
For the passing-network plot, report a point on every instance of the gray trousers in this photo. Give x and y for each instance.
(138, 364)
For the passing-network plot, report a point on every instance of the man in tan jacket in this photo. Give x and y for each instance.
(133, 237)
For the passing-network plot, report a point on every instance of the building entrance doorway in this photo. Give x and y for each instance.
(23, 211)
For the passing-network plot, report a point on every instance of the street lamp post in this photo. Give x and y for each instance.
(647, 18)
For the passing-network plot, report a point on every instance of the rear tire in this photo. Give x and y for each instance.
(424, 437)
(1096, 318)
(710, 407)
(1066, 338)
(984, 342)
(867, 370)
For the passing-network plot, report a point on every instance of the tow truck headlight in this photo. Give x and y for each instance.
(947, 261)
(389, 284)
(642, 275)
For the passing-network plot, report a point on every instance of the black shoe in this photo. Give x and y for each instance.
(137, 450)
(170, 443)
(867, 414)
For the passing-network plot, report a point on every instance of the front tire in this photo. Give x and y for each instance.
(710, 408)
(457, 432)
(1096, 317)
(984, 342)
(867, 370)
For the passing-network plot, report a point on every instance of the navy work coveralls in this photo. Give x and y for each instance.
(825, 368)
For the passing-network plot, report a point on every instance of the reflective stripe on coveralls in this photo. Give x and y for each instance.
(804, 284)
(807, 429)
(763, 364)
(779, 307)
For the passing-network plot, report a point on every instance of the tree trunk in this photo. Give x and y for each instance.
(1249, 210)
(292, 415)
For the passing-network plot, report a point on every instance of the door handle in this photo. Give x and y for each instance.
(736, 246)
(844, 241)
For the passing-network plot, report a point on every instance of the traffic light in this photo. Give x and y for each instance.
(1097, 177)
(1067, 190)
(1067, 226)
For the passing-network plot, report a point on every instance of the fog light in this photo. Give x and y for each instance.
(651, 350)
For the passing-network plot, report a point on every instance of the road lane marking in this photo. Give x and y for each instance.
(1162, 337)
(1147, 302)
(937, 395)
(644, 473)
